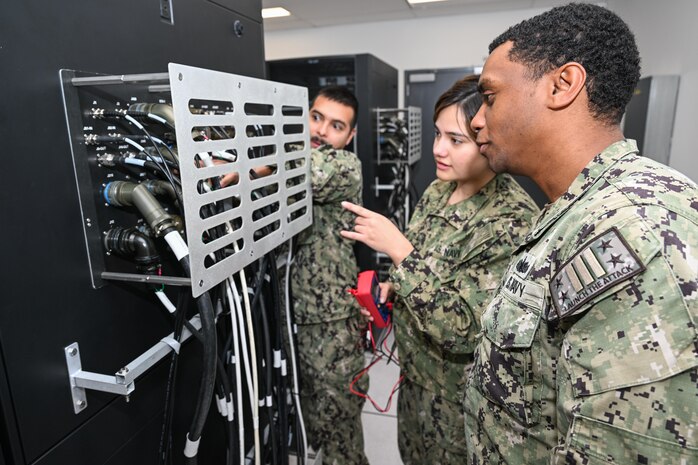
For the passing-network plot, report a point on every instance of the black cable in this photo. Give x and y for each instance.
(269, 372)
(206, 313)
(133, 114)
(225, 391)
(166, 168)
(277, 343)
(295, 365)
(166, 434)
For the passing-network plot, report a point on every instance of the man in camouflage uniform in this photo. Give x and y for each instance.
(589, 348)
(446, 267)
(329, 325)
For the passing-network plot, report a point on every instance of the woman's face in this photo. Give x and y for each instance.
(456, 154)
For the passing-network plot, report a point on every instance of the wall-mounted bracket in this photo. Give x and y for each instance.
(123, 381)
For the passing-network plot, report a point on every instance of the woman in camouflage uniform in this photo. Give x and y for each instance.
(458, 244)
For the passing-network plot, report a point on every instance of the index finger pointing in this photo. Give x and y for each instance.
(356, 209)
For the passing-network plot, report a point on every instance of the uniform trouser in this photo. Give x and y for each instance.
(330, 354)
(431, 429)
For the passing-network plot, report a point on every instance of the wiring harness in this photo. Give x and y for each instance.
(246, 336)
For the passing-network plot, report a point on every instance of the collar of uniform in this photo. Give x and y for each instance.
(325, 148)
(459, 214)
(584, 180)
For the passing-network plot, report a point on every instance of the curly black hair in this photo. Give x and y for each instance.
(586, 34)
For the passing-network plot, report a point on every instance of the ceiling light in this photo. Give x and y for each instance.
(276, 12)
(413, 2)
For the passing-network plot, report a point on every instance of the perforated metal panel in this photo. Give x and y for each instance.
(414, 125)
(410, 148)
(262, 125)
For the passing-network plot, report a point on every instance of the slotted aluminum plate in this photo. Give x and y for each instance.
(266, 117)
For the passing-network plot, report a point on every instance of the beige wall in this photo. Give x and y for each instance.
(665, 30)
(440, 42)
(667, 36)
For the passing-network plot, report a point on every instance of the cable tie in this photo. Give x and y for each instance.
(277, 358)
(157, 118)
(222, 406)
(283, 368)
(270, 401)
(134, 161)
(261, 402)
(172, 342)
(134, 122)
(206, 158)
(191, 448)
(177, 244)
(267, 278)
(166, 302)
(135, 144)
(231, 409)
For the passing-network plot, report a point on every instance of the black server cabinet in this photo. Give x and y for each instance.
(374, 83)
(47, 299)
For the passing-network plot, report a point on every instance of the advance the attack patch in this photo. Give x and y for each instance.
(602, 263)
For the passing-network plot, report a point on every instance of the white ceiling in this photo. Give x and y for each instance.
(321, 13)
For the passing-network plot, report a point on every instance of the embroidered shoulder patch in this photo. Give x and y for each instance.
(600, 264)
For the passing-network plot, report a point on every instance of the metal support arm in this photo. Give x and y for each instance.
(123, 381)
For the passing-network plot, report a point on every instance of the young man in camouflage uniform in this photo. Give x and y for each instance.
(446, 267)
(589, 349)
(329, 325)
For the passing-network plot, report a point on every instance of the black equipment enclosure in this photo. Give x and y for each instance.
(374, 83)
(48, 300)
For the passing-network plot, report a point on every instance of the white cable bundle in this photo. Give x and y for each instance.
(253, 356)
(237, 348)
(296, 387)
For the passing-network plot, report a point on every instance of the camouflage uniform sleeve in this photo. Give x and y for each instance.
(447, 295)
(335, 175)
(628, 360)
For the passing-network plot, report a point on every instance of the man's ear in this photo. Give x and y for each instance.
(351, 136)
(568, 84)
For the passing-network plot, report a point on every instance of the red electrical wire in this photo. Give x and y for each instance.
(377, 357)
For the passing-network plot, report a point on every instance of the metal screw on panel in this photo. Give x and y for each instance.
(239, 28)
(81, 403)
(123, 371)
(72, 351)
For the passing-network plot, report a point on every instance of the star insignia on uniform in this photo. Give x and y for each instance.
(615, 260)
(564, 295)
(605, 245)
(558, 281)
(522, 265)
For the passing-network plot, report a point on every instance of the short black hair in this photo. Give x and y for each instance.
(587, 34)
(341, 95)
(463, 93)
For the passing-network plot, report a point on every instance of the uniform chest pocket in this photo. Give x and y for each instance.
(507, 370)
